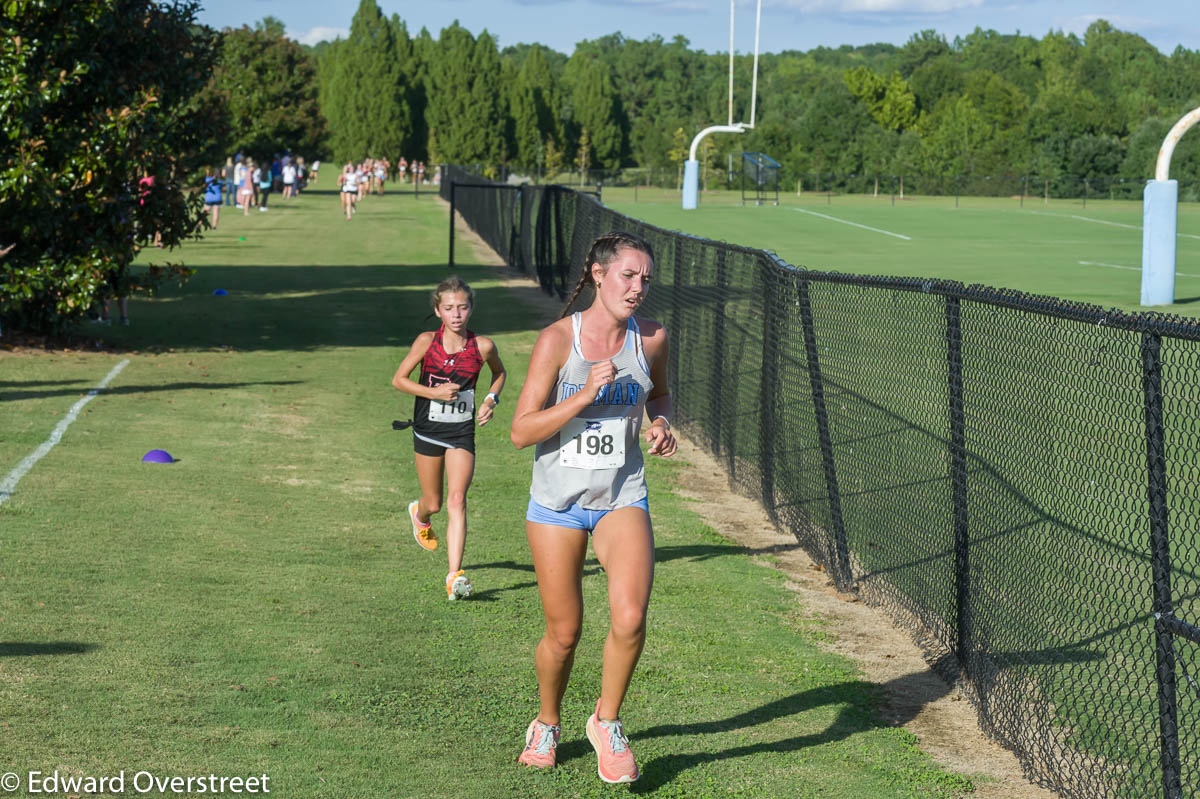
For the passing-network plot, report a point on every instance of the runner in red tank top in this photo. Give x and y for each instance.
(445, 413)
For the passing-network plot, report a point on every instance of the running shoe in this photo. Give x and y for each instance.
(422, 532)
(614, 760)
(458, 586)
(541, 745)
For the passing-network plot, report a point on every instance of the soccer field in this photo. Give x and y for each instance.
(1088, 253)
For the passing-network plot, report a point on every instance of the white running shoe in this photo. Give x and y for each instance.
(458, 586)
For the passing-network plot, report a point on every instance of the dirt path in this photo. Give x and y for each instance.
(936, 713)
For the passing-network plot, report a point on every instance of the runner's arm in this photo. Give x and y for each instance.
(533, 422)
(405, 383)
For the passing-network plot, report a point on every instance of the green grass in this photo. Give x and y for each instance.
(259, 606)
(1089, 254)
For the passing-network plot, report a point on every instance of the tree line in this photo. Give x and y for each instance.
(1061, 106)
(98, 94)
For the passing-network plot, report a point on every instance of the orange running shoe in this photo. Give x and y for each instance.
(422, 532)
(541, 745)
(614, 760)
(458, 586)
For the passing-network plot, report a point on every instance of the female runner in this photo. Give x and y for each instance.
(451, 358)
(591, 377)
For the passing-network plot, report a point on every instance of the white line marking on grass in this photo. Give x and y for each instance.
(846, 222)
(1106, 222)
(10, 482)
(1130, 268)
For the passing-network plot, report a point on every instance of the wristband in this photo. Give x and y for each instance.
(494, 397)
(666, 421)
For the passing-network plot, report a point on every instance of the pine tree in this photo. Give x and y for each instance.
(449, 111)
(554, 159)
(594, 107)
(365, 97)
(487, 121)
(583, 156)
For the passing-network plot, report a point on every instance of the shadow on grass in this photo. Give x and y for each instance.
(590, 568)
(13, 649)
(304, 308)
(8, 396)
(861, 706)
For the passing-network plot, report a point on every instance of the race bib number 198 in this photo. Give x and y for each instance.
(593, 443)
(455, 410)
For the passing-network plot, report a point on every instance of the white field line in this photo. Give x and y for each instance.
(1130, 268)
(10, 482)
(855, 224)
(1106, 222)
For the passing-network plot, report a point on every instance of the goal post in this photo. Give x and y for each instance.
(691, 167)
(1160, 221)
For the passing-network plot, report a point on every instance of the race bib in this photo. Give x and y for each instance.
(461, 409)
(593, 443)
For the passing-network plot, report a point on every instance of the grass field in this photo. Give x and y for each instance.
(1062, 248)
(259, 607)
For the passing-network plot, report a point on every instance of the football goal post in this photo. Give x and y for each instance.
(1160, 221)
(691, 167)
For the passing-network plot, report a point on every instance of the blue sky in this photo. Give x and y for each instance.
(786, 24)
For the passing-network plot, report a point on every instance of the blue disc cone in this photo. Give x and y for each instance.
(157, 456)
(219, 292)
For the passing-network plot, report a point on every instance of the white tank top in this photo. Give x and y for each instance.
(595, 460)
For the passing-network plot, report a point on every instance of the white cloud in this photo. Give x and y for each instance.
(320, 33)
(877, 6)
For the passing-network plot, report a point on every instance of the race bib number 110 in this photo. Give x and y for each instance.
(455, 410)
(593, 443)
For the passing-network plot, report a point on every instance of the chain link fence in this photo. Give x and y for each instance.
(1015, 478)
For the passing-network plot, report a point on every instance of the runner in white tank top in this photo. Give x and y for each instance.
(589, 379)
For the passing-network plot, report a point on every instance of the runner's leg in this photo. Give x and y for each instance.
(624, 545)
(558, 554)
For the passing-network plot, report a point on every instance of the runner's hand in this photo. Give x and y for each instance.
(661, 439)
(446, 392)
(485, 412)
(603, 373)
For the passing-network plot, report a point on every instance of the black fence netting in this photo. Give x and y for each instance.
(1016, 478)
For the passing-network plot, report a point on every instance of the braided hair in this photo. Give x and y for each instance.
(604, 249)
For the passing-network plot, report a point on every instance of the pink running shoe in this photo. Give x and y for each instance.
(614, 760)
(541, 745)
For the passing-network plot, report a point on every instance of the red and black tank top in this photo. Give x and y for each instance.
(438, 419)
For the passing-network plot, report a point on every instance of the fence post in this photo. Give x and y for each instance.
(452, 184)
(770, 386)
(676, 313)
(841, 568)
(718, 362)
(958, 484)
(1160, 566)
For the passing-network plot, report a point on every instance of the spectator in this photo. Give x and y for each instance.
(229, 180)
(212, 196)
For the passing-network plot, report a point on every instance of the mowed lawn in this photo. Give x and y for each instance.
(259, 606)
(1088, 253)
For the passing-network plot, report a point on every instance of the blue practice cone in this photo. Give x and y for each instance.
(220, 292)
(157, 456)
